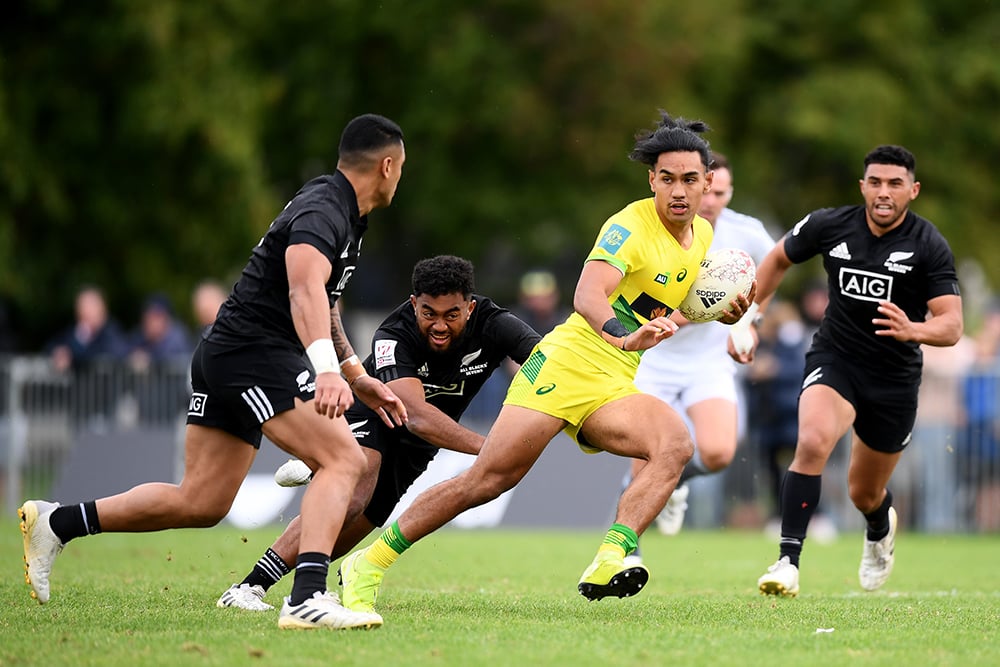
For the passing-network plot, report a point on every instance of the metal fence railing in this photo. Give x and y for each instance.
(948, 479)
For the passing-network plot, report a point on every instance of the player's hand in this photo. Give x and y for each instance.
(897, 324)
(742, 343)
(738, 306)
(377, 396)
(649, 334)
(333, 395)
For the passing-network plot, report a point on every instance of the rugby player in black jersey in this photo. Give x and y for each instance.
(893, 287)
(249, 376)
(435, 351)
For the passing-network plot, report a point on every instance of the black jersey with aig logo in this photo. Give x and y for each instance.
(324, 214)
(908, 266)
(452, 378)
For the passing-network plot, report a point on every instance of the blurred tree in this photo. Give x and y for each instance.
(145, 146)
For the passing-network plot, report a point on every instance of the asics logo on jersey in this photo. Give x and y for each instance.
(469, 358)
(197, 405)
(812, 377)
(259, 403)
(544, 389)
(865, 285)
(893, 263)
(841, 251)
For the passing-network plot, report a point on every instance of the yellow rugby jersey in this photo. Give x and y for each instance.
(657, 273)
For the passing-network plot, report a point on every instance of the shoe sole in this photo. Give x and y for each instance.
(27, 523)
(625, 584)
(292, 623)
(776, 588)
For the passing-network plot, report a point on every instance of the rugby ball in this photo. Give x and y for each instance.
(724, 274)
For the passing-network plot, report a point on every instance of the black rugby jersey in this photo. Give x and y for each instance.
(452, 378)
(323, 214)
(908, 266)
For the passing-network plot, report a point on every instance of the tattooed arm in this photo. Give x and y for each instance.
(371, 391)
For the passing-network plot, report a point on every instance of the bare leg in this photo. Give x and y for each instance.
(330, 450)
(643, 427)
(215, 464)
(514, 443)
(287, 544)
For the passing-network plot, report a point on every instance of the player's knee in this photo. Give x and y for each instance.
(206, 516)
(716, 459)
(489, 485)
(678, 448)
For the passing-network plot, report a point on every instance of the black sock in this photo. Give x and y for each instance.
(75, 521)
(878, 521)
(799, 497)
(694, 468)
(311, 569)
(268, 570)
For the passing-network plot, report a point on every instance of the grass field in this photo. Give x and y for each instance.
(509, 598)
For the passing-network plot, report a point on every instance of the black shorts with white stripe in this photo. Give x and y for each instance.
(238, 388)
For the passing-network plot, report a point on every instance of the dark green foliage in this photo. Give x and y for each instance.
(146, 146)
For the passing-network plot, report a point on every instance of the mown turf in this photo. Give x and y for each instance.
(499, 597)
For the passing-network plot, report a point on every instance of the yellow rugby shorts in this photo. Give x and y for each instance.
(560, 382)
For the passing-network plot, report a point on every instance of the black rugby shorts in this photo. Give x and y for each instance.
(238, 388)
(885, 407)
(404, 458)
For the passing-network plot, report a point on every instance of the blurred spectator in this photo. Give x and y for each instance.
(93, 336)
(979, 459)
(161, 352)
(538, 302)
(91, 350)
(207, 298)
(160, 336)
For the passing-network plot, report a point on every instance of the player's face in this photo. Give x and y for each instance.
(717, 198)
(888, 190)
(442, 319)
(679, 181)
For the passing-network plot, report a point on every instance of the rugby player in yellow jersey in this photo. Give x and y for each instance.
(579, 378)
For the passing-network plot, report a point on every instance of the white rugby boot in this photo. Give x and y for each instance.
(877, 558)
(244, 596)
(41, 546)
(671, 518)
(324, 610)
(782, 578)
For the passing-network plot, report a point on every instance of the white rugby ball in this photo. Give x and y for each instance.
(724, 274)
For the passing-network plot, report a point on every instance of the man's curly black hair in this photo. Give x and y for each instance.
(444, 274)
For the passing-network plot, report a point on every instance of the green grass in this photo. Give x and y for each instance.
(509, 598)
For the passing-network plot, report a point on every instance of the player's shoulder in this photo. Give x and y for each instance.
(489, 318)
(741, 224)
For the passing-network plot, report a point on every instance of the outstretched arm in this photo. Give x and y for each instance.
(597, 282)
